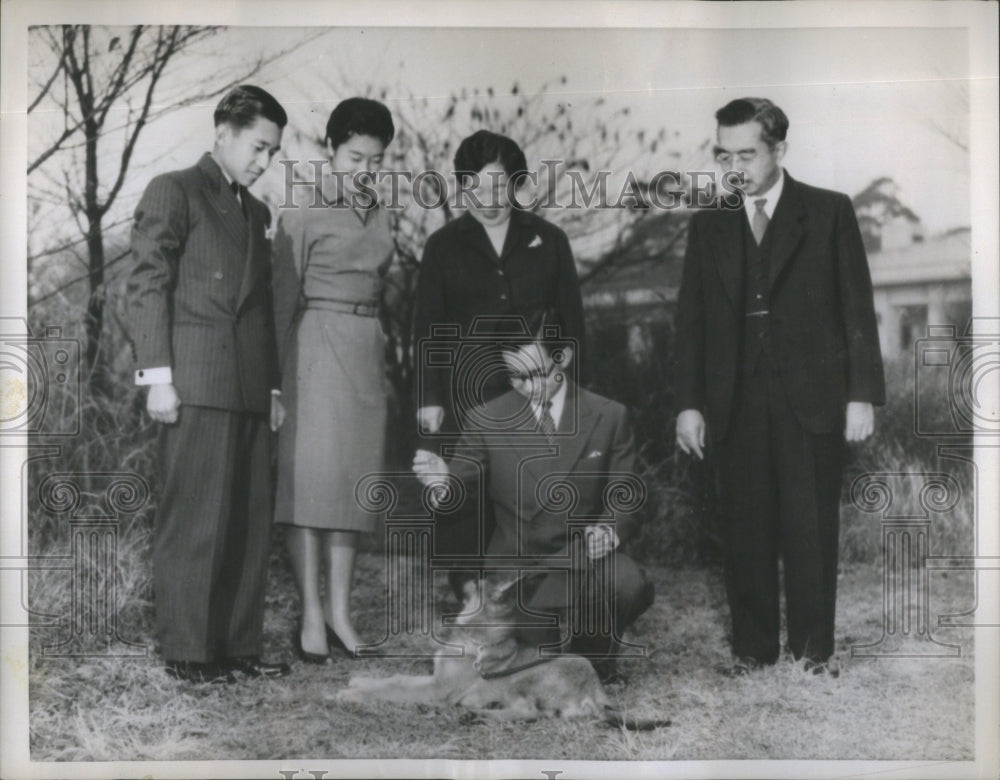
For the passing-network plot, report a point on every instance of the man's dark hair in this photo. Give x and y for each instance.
(243, 104)
(359, 116)
(482, 148)
(773, 122)
(545, 327)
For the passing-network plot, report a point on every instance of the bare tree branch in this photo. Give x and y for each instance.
(44, 89)
(59, 248)
(77, 279)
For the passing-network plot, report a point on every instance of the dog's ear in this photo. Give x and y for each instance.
(503, 591)
(470, 592)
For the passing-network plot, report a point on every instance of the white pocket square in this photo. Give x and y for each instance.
(595, 454)
(536, 241)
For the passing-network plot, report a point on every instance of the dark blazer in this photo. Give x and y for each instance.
(535, 487)
(823, 330)
(461, 278)
(199, 289)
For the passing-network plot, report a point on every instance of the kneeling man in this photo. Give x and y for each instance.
(550, 455)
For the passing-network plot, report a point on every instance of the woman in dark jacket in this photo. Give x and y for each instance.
(484, 275)
(496, 264)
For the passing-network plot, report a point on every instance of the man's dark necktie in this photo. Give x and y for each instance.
(235, 187)
(546, 423)
(760, 219)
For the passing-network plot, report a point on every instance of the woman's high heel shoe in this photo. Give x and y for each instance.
(334, 641)
(304, 655)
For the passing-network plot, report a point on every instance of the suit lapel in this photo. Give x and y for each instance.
(577, 412)
(223, 202)
(727, 243)
(253, 266)
(517, 234)
(571, 447)
(787, 228)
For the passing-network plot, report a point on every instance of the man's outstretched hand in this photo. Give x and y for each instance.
(430, 468)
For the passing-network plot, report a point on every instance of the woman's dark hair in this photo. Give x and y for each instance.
(773, 122)
(482, 148)
(243, 104)
(359, 116)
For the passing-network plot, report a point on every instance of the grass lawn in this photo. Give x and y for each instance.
(103, 709)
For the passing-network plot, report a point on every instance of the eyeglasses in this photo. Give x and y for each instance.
(744, 156)
(535, 375)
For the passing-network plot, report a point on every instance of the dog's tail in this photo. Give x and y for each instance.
(614, 717)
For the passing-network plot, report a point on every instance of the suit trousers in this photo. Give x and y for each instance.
(591, 617)
(211, 534)
(780, 491)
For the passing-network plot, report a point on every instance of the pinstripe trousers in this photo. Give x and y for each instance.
(211, 534)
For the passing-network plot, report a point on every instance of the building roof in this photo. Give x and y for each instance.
(647, 265)
(940, 258)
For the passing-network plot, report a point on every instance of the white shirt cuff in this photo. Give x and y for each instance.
(275, 391)
(159, 375)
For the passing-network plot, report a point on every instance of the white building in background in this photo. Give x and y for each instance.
(926, 281)
(917, 280)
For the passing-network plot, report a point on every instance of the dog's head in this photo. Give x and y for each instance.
(488, 610)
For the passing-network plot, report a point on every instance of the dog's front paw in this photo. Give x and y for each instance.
(350, 695)
(470, 718)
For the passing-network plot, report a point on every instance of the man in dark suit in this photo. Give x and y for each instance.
(549, 453)
(201, 322)
(778, 358)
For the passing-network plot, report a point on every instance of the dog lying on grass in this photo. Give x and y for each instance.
(492, 680)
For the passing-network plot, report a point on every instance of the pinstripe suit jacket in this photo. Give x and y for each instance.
(199, 289)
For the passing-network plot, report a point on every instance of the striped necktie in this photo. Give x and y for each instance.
(760, 219)
(546, 423)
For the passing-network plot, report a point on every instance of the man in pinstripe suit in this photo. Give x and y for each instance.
(201, 322)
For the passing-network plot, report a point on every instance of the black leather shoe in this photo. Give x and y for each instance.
(199, 672)
(828, 667)
(336, 643)
(304, 655)
(252, 666)
(743, 667)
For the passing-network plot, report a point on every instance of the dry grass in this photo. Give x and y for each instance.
(103, 709)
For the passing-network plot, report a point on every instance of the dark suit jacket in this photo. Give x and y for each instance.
(461, 278)
(536, 488)
(199, 289)
(823, 330)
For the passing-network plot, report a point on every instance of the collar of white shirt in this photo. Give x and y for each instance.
(770, 198)
(558, 402)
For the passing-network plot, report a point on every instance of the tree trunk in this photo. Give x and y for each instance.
(94, 320)
(95, 361)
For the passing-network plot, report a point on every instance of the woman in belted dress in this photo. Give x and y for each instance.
(330, 256)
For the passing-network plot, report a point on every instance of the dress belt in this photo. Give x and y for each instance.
(347, 307)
